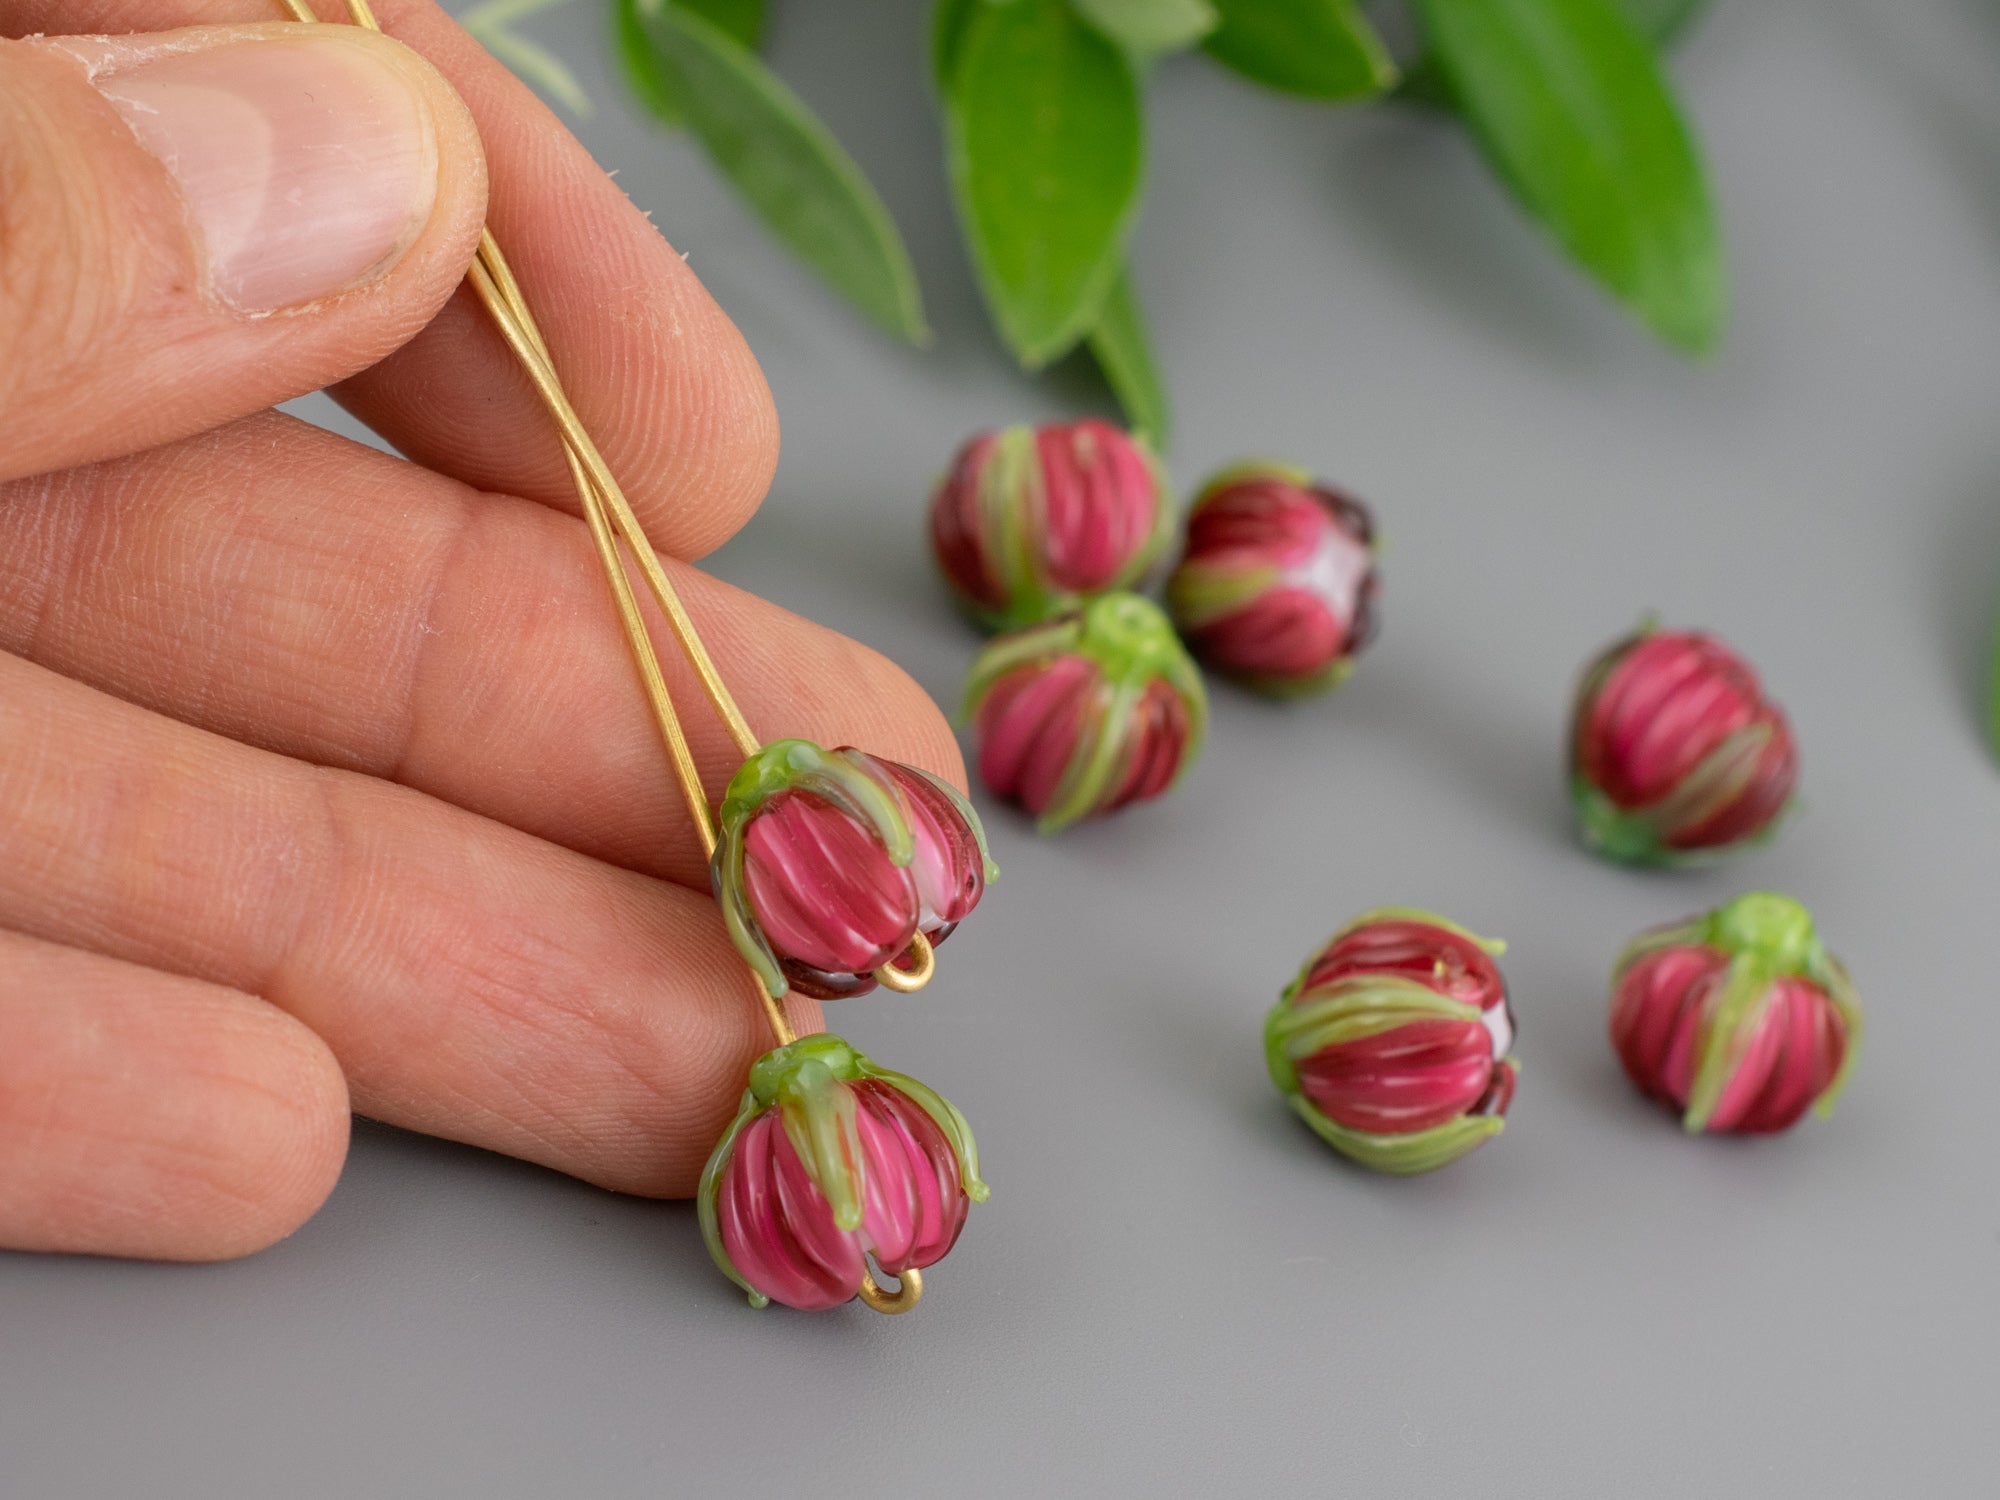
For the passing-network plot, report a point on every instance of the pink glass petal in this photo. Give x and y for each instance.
(822, 888)
(1410, 1078)
(776, 1226)
(957, 525)
(1656, 1015)
(1284, 632)
(1314, 547)
(1787, 1062)
(1670, 702)
(1031, 724)
(1158, 740)
(1436, 957)
(947, 868)
(915, 1205)
(1770, 788)
(1101, 503)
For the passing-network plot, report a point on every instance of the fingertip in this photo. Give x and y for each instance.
(144, 1114)
(287, 1127)
(727, 458)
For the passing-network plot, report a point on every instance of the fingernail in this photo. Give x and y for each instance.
(308, 161)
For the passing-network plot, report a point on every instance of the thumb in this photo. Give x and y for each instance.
(201, 223)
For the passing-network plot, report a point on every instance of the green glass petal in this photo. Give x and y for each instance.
(1023, 648)
(1626, 837)
(1088, 775)
(944, 1114)
(1364, 1006)
(1402, 1155)
(1726, 1030)
(817, 1110)
(1831, 975)
(1201, 593)
(800, 765)
(726, 875)
(1769, 927)
(1013, 512)
(711, 1187)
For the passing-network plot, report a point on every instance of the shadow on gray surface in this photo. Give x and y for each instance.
(1967, 601)
(1423, 712)
(1411, 187)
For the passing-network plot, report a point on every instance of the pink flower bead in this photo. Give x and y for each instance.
(831, 862)
(1030, 522)
(1276, 585)
(1392, 1043)
(831, 1161)
(1740, 1020)
(1087, 714)
(1676, 752)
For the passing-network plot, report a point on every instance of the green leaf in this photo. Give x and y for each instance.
(947, 38)
(1125, 355)
(743, 20)
(1661, 20)
(786, 165)
(1043, 141)
(1324, 49)
(1150, 26)
(644, 73)
(1569, 105)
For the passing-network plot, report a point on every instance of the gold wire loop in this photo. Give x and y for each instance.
(909, 1291)
(909, 981)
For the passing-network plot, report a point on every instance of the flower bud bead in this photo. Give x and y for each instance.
(830, 1160)
(1675, 752)
(1276, 586)
(1031, 522)
(829, 864)
(1393, 1042)
(1088, 713)
(1739, 1020)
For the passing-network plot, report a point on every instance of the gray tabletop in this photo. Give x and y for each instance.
(1175, 1289)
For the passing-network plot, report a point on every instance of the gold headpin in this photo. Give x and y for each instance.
(612, 521)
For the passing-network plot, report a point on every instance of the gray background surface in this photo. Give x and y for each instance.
(1175, 1290)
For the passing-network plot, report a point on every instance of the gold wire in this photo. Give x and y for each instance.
(909, 981)
(542, 372)
(909, 1291)
(611, 519)
(643, 655)
(523, 337)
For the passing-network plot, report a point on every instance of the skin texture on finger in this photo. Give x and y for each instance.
(283, 586)
(660, 376)
(474, 982)
(122, 323)
(147, 1114)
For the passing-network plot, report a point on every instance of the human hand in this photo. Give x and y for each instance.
(324, 779)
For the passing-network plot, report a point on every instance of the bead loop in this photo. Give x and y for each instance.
(909, 1291)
